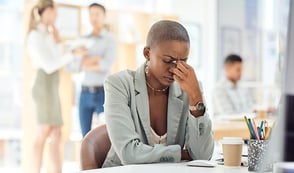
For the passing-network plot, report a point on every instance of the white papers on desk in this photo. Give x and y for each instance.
(235, 117)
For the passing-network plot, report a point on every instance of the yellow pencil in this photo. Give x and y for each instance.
(246, 121)
(267, 132)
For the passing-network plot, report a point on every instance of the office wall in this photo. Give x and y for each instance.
(244, 22)
(239, 32)
(204, 14)
(257, 23)
(231, 13)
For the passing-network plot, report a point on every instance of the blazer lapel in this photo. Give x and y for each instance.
(142, 103)
(174, 112)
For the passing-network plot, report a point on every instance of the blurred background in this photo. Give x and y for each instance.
(254, 29)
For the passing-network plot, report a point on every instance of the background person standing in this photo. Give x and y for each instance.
(95, 62)
(45, 51)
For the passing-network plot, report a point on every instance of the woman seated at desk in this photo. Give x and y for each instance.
(149, 117)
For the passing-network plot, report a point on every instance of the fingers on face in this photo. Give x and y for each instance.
(179, 74)
(177, 78)
(182, 68)
(175, 72)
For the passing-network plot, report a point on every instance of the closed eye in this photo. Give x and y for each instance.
(169, 61)
(173, 59)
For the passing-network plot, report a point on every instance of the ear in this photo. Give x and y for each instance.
(146, 53)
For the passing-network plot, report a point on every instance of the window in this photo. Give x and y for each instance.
(10, 80)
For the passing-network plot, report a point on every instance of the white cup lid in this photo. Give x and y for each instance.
(232, 140)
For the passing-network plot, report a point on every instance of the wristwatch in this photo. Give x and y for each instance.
(200, 106)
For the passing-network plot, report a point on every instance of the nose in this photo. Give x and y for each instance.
(174, 63)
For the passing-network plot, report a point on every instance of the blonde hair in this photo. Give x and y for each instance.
(37, 11)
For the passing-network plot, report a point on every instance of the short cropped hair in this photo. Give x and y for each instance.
(233, 58)
(98, 5)
(166, 30)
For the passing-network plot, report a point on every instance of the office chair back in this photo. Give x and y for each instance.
(94, 148)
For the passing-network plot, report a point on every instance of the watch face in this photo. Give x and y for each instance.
(200, 106)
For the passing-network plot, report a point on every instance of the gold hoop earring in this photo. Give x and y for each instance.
(147, 67)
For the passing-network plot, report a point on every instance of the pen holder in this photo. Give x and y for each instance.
(256, 155)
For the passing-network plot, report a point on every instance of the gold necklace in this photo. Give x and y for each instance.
(156, 90)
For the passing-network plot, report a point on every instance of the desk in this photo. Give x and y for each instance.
(168, 168)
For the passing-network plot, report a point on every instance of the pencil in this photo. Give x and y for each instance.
(251, 128)
(255, 129)
(246, 121)
(267, 132)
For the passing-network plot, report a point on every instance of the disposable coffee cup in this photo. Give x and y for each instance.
(232, 151)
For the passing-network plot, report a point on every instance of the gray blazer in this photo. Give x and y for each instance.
(126, 111)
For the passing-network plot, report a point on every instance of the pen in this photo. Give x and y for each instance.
(262, 135)
(260, 128)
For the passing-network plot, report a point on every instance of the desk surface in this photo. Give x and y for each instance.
(167, 167)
